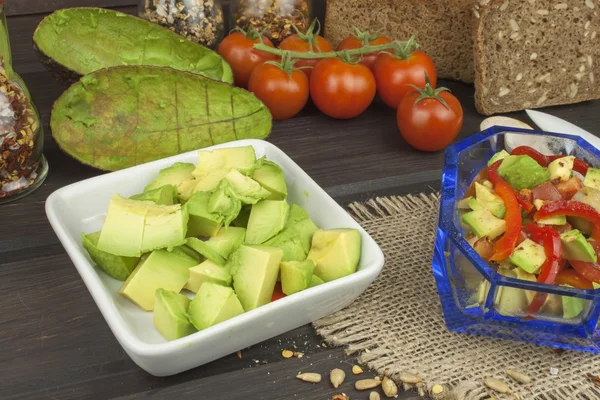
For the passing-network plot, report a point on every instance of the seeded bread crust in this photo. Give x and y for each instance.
(441, 27)
(535, 53)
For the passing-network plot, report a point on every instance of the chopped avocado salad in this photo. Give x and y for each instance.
(222, 229)
(535, 217)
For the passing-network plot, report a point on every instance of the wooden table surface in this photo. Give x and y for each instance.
(55, 344)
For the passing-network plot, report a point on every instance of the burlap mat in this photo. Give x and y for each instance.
(397, 324)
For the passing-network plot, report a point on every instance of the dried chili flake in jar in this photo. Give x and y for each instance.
(276, 19)
(19, 124)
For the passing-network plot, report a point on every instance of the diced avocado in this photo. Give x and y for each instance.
(186, 190)
(501, 155)
(271, 177)
(523, 172)
(165, 195)
(296, 275)
(484, 289)
(161, 269)
(240, 158)
(336, 253)
(267, 219)
(246, 189)
(591, 197)
(118, 267)
(529, 256)
(296, 237)
(496, 207)
(123, 229)
(315, 281)
(165, 227)
(463, 204)
(201, 221)
(484, 194)
(133, 227)
(552, 305)
(170, 314)
(483, 223)
(186, 251)
(213, 304)
(512, 300)
(592, 178)
(255, 270)
(557, 220)
(173, 175)
(207, 271)
(561, 168)
(218, 248)
(572, 306)
(225, 205)
(210, 181)
(243, 217)
(576, 247)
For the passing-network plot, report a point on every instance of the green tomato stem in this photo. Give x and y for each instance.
(331, 54)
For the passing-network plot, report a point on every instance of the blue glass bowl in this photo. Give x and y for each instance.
(470, 290)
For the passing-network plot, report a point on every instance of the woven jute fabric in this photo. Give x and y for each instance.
(397, 324)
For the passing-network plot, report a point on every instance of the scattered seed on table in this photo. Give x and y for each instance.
(310, 377)
(374, 396)
(389, 387)
(365, 384)
(437, 389)
(337, 377)
(287, 354)
(409, 377)
(340, 397)
(356, 370)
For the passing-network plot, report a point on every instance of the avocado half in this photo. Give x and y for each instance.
(118, 117)
(76, 41)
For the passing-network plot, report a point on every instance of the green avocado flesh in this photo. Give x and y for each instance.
(84, 40)
(227, 243)
(123, 116)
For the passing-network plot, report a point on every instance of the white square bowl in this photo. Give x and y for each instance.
(81, 208)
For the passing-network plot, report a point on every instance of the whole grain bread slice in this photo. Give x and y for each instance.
(535, 53)
(441, 27)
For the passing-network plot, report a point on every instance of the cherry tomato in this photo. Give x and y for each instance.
(340, 89)
(277, 293)
(572, 278)
(427, 124)
(393, 74)
(304, 42)
(237, 49)
(360, 39)
(284, 94)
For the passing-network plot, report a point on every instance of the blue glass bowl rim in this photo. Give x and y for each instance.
(448, 202)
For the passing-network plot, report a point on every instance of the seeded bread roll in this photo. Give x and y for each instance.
(441, 27)
(535, 53)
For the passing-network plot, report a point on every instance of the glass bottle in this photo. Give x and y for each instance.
(200, 21)
(23, 167)
(275, 18)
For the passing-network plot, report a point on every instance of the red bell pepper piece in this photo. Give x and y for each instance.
(550, 239)
(578, 165)
(573, 278)
(588, 270)
(277, 292)
(507, 243)
(571, 208)
(522, 199)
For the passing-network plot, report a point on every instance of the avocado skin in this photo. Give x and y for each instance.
(67, 75)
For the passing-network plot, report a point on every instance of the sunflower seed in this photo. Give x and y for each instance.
(504, 6)
(497, 385)
(374, 396)
(543, 12)
(356, 370)
(408, 377)
(287, 354)
(437, 389)
(365, 384)
(513, 25)
(309, 377)
(389, 387)
(590, 4)
(518, 376)
(337, 377)
(561, 6)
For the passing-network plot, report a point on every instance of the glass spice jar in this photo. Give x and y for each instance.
(23, 167)
(275, 18)
(200, 21)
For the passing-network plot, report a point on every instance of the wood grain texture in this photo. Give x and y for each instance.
(54, 343)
